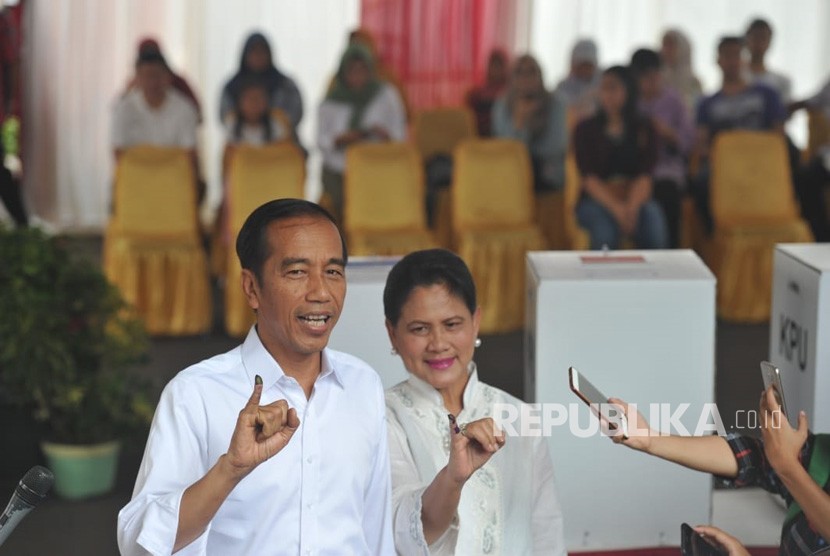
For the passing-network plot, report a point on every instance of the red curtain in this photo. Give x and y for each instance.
(437, 48)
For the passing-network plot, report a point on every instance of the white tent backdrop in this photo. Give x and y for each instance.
(80, 55)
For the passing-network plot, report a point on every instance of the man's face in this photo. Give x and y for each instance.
(300, 296)
(758, 41)
(649, 83)
(729, 60)
(153, 79)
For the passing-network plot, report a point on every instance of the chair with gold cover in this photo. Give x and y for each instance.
(493, 220)
(152, 246)
(256, 175)
(437, 132)
(383, 206)
(754, 208)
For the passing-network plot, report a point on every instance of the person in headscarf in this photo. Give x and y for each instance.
(384, 72)
(676, 55)
(579, 89)
(179, 83)
(257, 61)
(481, 98)
(531, 114)
(359, 107)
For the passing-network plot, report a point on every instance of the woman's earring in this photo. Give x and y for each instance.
(477, 343)
(393, 351)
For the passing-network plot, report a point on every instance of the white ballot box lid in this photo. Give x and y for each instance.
(677, 264)
(814, 255)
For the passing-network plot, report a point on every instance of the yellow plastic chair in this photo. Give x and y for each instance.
(753, 207)
(439, 131)
(493, 225)
(256, 175)
(152, 245)
(383, 200)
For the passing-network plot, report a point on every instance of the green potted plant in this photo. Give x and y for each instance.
(67, 342)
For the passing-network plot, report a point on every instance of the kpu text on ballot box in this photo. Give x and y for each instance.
(361, 330)
(641, 327)
(799, 343)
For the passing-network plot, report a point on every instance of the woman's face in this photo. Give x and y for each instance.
(435, 336)
(528, 80)
(253, 104)
(612, 94)
(669, 51)
(356, 74)
(257, 59)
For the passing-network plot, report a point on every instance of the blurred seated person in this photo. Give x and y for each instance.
(480, 99)
(676, 56)
(777, 462)
(456, 484)
(533, 115)
(360, 107)
(672, 122)
(154, 113)
(758, 39)
(176, 81)
(383, 70)
(252, 121)
(579, 89)
(815, 176)
(737, 105)
(616, 151)
(257, 62)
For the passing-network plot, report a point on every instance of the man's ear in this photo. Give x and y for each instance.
(250, 287)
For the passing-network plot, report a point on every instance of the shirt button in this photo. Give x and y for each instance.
(309, 505)
(309, 459)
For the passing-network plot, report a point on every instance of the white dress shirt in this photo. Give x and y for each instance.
(173, 124)
(326, 493)
(385, 110)
(508, 507)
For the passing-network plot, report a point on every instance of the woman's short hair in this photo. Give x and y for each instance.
(252, 245)
(427, 268)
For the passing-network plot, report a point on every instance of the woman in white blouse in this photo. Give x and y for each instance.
(359, 107)
(458, 485)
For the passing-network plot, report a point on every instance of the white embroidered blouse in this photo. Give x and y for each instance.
(508, 507)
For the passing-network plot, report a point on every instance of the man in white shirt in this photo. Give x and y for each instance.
(303, 468)
(154, 113)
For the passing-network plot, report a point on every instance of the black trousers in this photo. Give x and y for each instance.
(668, 195)
(11, 198)
(810, 185)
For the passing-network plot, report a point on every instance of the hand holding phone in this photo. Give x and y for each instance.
(708, 541)
(598, 402)
(772, 377)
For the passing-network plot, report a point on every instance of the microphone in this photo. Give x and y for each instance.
(30, 491)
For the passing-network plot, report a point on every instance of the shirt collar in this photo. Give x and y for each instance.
(257, 361)
(425, 389)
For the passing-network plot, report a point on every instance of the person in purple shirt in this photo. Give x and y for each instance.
(675, 134)
(737, 105)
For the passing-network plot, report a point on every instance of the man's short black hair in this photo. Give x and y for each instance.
(730, 41)
(252, 245)
(427, 268)
(150, 57)
(758, 24)
(645, 60)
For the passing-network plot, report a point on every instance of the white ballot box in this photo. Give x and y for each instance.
(361, 330)
(640, 326)
(799, 342)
